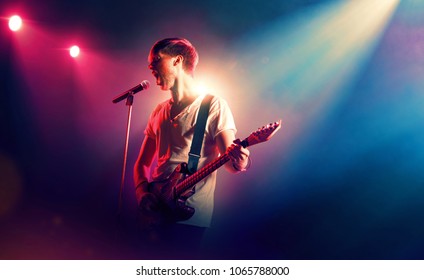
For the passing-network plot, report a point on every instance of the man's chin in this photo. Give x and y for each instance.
(165, 87)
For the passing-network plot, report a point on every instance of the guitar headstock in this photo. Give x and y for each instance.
(262, 134)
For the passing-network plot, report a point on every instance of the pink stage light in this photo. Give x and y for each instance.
(74, 51)
(15, 23)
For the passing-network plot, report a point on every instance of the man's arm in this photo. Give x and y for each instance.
(239, 155)
(142, 166)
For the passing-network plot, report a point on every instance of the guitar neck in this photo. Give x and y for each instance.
(261, 135)
(201, 174)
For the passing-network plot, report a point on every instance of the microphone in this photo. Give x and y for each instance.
(141, 86)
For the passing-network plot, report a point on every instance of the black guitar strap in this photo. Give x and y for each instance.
(199, 131)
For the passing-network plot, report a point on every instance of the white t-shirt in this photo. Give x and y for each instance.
(173, 141)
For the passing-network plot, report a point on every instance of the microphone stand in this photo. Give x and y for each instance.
(129, 96)
(129, 103)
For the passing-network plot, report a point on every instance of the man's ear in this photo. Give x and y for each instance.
(178, 59)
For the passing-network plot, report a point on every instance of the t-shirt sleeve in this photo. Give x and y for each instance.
(221, 117)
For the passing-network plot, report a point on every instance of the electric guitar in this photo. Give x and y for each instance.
(173, 193)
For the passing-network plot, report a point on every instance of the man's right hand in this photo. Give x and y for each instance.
(147, 201)
(148, 210)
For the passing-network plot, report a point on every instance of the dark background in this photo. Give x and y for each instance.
(343, 179)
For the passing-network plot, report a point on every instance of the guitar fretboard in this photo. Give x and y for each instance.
(201, 174)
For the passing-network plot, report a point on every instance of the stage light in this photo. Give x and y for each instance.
(15, 23)
(74, 51)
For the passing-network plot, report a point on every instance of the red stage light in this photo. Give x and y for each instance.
(74, 51)
(15, 23)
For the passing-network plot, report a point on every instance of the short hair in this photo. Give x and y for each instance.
(178, 46)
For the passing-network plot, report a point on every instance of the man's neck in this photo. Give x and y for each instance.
(184, 92)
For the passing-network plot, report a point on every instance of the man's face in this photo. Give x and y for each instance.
(163, 69)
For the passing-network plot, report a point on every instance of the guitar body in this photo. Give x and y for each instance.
(172, 207)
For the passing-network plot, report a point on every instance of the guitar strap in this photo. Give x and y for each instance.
(199, 131)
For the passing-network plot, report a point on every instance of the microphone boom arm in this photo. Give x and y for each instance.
(141, 86)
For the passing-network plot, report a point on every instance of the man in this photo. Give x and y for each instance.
(169, 134)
